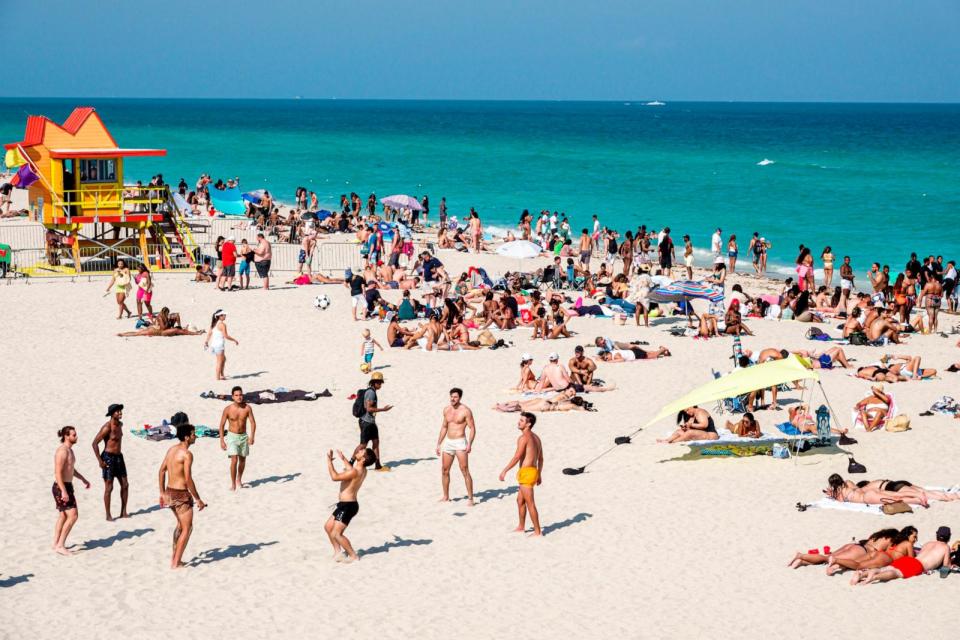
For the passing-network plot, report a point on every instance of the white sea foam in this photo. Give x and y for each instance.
(654, 103)
(765, 162)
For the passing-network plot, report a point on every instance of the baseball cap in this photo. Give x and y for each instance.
(943, 533)
(578, 349)
(526, 357)
(554, 356)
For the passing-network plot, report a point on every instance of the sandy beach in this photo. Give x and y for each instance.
(642, 545)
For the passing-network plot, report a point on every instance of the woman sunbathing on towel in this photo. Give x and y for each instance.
(693, 423)
(746, 427)
(166, 324)
(566, 400)
(878, 373)
(883, 492)
(901, 545)
(909, 367)
(826, 360)
(874, 410)
(633, 353)
(852, 551)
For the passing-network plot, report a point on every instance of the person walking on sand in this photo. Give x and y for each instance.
(64, 470)
(236, 443)
(111, 459)
(120, 284)
(369, 433)
(216, 341)
(177, 490)
(350, 479)
(455, 442)
(529, 454)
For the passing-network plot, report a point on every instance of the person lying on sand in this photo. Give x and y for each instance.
(165, 324)
(745, 427)
(932, 556)
(878, 373)
(315, 278)
(693, 423)
(857, 552)
(633, 353)
(883, 492)
(908, 366)
(826, 360)
(874, 410)
(566, 400)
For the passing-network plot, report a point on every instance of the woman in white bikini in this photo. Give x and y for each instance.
(216, 341)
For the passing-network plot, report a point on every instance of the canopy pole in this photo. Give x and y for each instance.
(829, 406)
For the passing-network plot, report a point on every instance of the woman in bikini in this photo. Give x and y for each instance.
(931, 297)
(633, 353)
(879, 374)
(827, 257)
(900, 547)
(693, 423)
(566, 400)
(733, 320)
(852, 552)
(745, 427)
(120, 284)
(165, 324)
(874, 410)
(884, 492)
(528, 380)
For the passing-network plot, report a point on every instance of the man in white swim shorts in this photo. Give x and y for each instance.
(455, 442)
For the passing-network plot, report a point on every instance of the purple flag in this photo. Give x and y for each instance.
(24, 178)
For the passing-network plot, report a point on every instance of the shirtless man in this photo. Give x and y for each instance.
(883, 326)
(111, 459)
(350, 479)
(64, 470)
(554, 375)
(586, 248)
(581, 367)
(177, 490)
(455, 442)
(529, 454)
(262, 256)
(305, 256)
(236, 443)
(932, 556)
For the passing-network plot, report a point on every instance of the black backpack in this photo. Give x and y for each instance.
(359, 408)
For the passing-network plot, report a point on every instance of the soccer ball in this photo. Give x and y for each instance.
(365, 367)
(321, 302)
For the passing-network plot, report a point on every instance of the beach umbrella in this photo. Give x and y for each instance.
(519, 249)
(401, 201)
(254, 196)
(686, 290)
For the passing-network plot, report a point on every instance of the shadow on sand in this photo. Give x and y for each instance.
(277, 479)
(393, 544)
(119, 536)
(407, 462)
(241, 376)
(145, 510)
(233, 551)
(12, 581)
(490, 494)
(563, 524)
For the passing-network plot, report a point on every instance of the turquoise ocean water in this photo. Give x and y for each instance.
(873, 181)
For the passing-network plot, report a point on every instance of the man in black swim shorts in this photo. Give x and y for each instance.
(350, 479)
(111, 461)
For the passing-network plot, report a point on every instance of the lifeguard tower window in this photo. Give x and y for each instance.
(98, 171)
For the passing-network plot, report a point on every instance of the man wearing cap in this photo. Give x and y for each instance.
(368, 421)
(581, 367)
(554, 376)
(229, 258)
(111, 459)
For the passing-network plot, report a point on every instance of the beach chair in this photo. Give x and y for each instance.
(736, 404)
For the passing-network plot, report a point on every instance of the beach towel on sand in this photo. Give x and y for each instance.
(272, 396)
(830, 503)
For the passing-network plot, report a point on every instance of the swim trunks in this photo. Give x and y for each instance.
(397, 342)
(237, 444)
(302, 257)
(243, 268)
(825, 362)
(263, 268)
(846, 284)
(179, 500)
(71, 502)
(116, 468)
(368, 357)
(527, 476)
(451, 446)
(345, 511)
(368, 432)
(228, 271)
(907, 566)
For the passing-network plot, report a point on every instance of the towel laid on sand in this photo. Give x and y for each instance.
(272, 396)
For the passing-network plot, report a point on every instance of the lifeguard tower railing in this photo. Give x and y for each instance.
(162, 238)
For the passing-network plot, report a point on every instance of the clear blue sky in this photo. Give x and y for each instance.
(817, 50)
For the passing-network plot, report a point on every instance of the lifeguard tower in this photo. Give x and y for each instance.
(80, 193)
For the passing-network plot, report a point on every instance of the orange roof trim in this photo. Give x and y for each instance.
(37, 125)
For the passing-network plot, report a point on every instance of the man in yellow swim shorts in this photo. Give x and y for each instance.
(529, 454)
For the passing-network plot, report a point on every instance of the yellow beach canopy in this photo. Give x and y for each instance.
(742, 381)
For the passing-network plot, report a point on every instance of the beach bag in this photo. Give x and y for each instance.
(813, 333)
(359, 408)
(894, 508)
(858, 338)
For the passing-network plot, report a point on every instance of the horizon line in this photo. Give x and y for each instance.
(561, 100)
